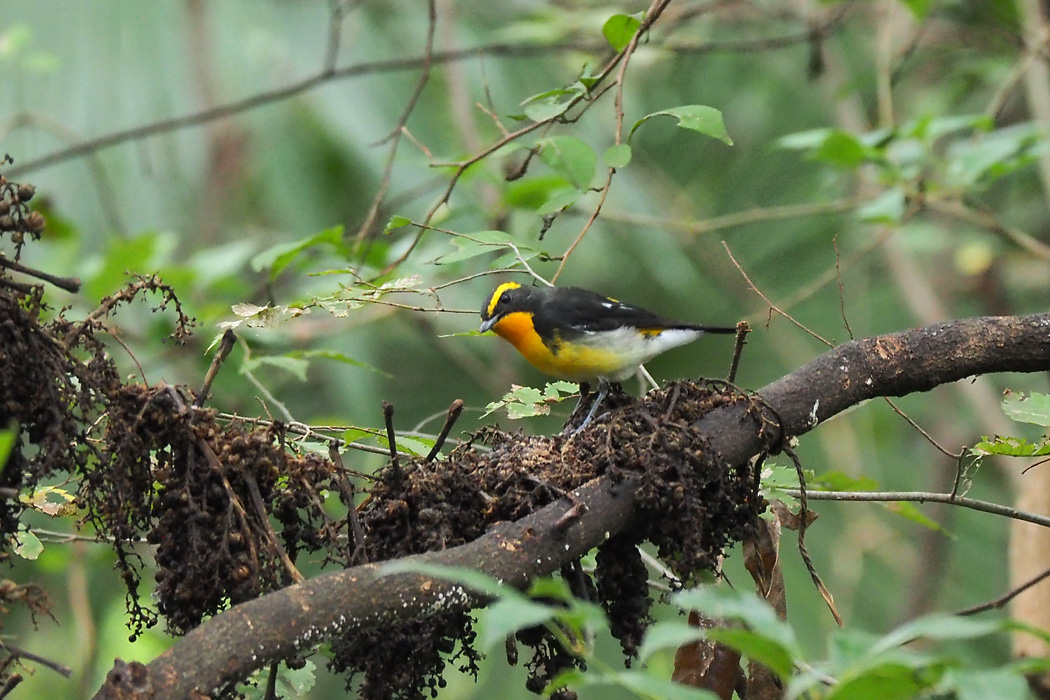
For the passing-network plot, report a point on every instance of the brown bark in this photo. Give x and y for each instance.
(250, 636)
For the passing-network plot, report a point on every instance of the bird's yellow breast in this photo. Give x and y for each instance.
(578, 362)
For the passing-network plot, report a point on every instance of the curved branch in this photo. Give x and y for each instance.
(249, 636)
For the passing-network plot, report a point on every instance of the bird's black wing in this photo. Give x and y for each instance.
(586, 311)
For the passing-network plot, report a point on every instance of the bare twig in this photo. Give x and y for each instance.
(802, 524)
(225, 346)
(17, 653)
(70, 284)
(453, 414)
(388, 416)
(1002, 600)
(394, 137)
(926, 497)
(766, 299)
(742, 329)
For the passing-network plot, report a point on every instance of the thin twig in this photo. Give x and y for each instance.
(225, 346)
(394, 137)
(766, 299)
(346, 489)
(17, 653)
(929, 438)
(70, 284)
(388, 417)
(742, 329)
(802, 523)
(926, 497)
(1002, 600)
(453, 415)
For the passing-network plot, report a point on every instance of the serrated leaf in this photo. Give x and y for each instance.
(700, 118)
(617, 156)
(570, 157)
(1010, 447)
(1028, 409)
(619, 29)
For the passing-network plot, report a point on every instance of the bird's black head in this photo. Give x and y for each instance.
(506, 299)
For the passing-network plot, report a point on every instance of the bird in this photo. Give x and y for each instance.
(582, 336)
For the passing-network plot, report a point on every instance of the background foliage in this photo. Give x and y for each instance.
(885, 169)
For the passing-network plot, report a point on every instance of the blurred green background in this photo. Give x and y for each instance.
(883, 221)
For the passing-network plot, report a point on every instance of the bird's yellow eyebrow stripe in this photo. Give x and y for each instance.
(497, 294)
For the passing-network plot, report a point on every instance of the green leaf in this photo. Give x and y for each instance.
(527, 401)
(670, 634)
(1028, 409)
(471, 245)
(28, 545)
(840, 481)
(884, 682)
(981, 684)
(9, 437)
(336, 356)
(278, 257)
(911, 511)
(1010, 447)
(571, 158)
(803, 140)
(918, 8)
(559, 200)
(768, 651)
(617, 156)
(508, 615)
(395, 223)
(648, 685)
(727, 604)
(937, 627)
(620, 29)
(699, 118)
(552, 103)
(295, 366)
(887, 208)
(842, 149)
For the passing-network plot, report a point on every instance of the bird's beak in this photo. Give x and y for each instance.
(488, 324)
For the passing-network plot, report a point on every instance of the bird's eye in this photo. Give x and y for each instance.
(503, 300)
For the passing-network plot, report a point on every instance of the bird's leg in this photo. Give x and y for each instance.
(585, 391)
(603, 390)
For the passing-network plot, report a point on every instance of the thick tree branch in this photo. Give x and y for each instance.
(227, 647)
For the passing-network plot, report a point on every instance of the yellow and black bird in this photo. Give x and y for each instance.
(582, 336)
